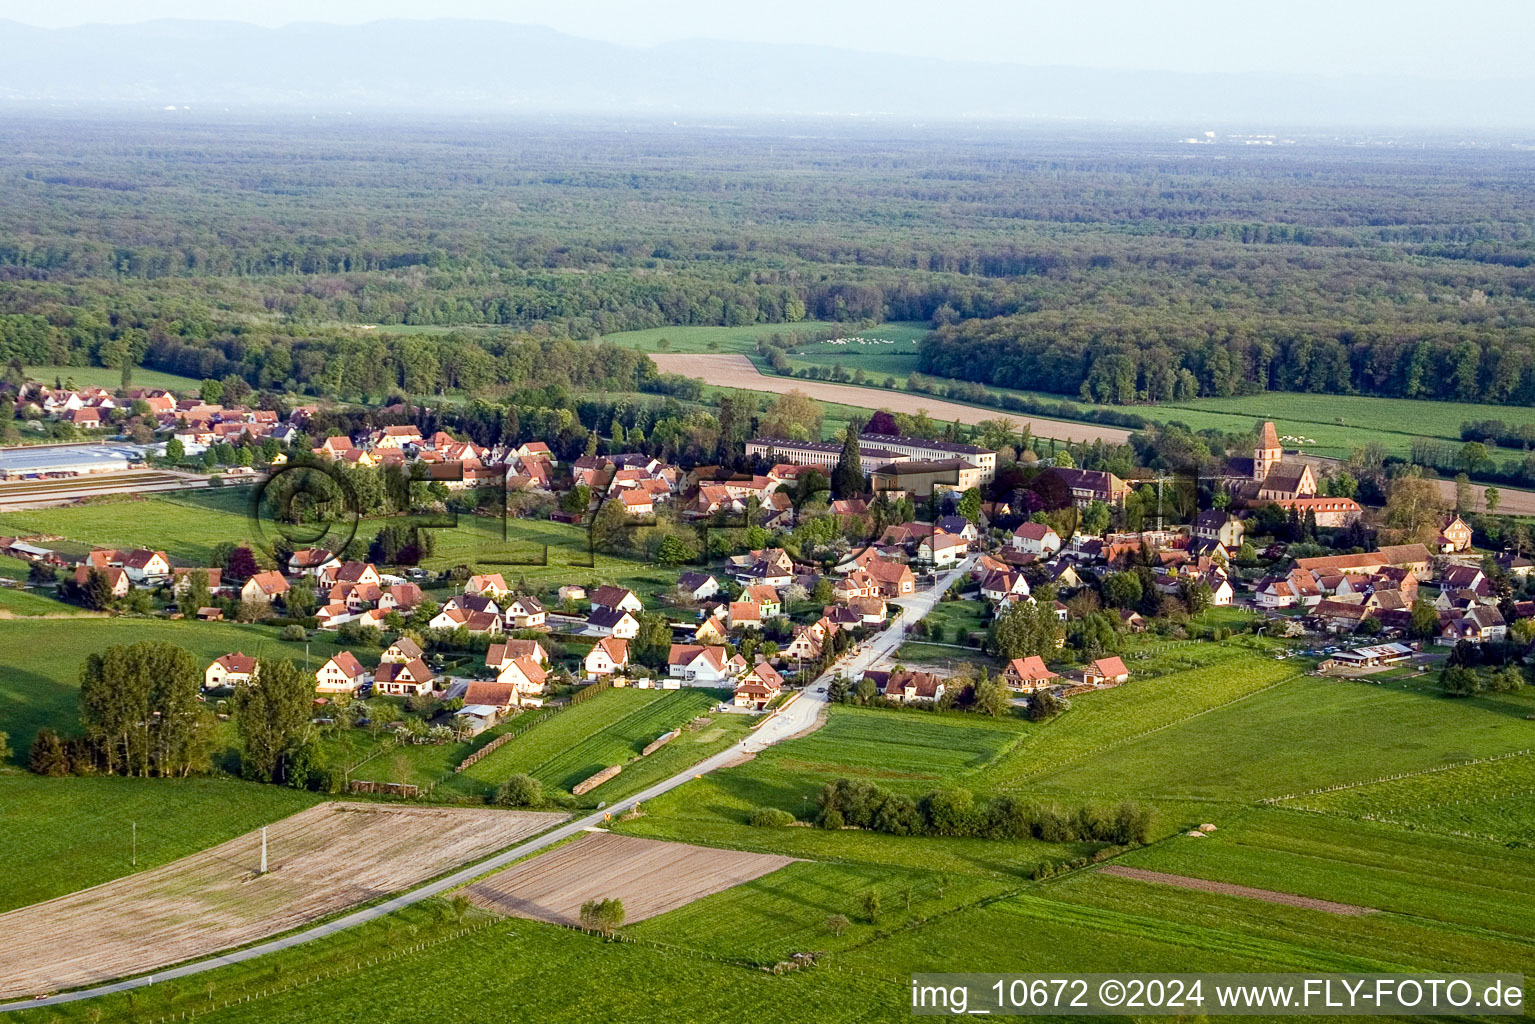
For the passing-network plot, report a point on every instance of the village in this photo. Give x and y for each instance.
(1053, 596)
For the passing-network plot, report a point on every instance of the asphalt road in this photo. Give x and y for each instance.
(798, 717)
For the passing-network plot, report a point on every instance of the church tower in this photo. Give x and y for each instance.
(1267, 453)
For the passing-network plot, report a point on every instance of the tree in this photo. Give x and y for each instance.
(1458, 681)
(272, 717)
(1043, 705)
(175, 451)
(794, 415)
(653, 642)
(1122, 589)
(195, 593)
(848, 477)
(47, 755)
(991, 696)
(241, 564)
(96, 592)
(610, 526)
(1425, 620)
(210, 391)
(520, 791)
(870, 903)
(576, 500)
(605, 916)
(1414, 507)
(837, 923)
(301, 599)
(1024, 629)
(1492, 497)
(139, 710)
(1463, 494)
(970, 505)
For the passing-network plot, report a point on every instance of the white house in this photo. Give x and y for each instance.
(231, 670)
(341, 674)
(1036, 539)
(613, 622)
(703, 665)
(609, 657)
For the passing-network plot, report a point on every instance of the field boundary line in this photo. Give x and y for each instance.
(1393, 778)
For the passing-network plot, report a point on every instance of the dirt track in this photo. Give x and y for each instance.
(649, 875)
(319, 861)
(737, 371)
(1227, 889)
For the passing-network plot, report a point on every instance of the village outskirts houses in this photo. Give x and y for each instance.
(1036, 539)
(342, 674)
(236, 669)
(703, 665)
(608, 656)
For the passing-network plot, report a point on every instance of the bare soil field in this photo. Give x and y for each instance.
(737, 371)
(319, 861)
(649, 875)
(1227, 889)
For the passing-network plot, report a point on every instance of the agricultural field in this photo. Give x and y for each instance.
(650, 877)
(321, 860)
(39, 678)
(61, 835)
(185, 526)
(716, 339)
(611, 728)
(1492, 799)
(107, 377)
(1126, 715)
(1305, 734)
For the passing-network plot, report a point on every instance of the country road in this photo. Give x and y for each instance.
(737, 371)
(798, 717)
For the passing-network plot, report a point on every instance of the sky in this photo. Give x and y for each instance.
(1449, 39)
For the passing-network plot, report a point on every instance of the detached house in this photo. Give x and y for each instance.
(524, 613)
(616, 622)
(1036, 539)
(235, 669)
(341, 674)
(404, 680)
(703, 666)
(1028, 674)
(758, 687)
(146, 566)
(616, 597)
(1105, 672)
(942, 548)
(610, 656)
(264, 587)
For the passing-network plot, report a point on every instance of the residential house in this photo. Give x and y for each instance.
(145, 567)
(711, 631)
(758, 687)
(1028, 674)
(402, 652)
(908, 686)
(117, 579)
(524, 612)
(616, 597)
(311, 561)
(997, 587)
(403, 680)
(744, 615)
(343, 673)
(1036, 539)
(1221, 527)
(234, 669)
(697, 586)
(765, 598)
(1105, 672)
(1481, 624)
(703, 665)
(609, 656)
(264, 587)
(942, 548)
(616, 622)
(891, 579)
(488, 584)
(1454, 534)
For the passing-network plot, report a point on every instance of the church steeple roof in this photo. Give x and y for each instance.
(1270, 436)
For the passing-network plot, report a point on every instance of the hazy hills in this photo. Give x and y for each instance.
(467, 67)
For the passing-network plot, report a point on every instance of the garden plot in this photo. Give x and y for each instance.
(320, 861)
(650, 876)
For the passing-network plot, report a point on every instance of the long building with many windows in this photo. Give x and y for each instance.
(823, 454)
(931, 450)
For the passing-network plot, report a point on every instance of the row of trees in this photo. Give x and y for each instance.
(958, 812)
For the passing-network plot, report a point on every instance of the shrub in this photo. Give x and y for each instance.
(295, 633)
(771, 817)
(520, 791)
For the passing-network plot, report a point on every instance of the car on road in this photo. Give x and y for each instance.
(820, 689)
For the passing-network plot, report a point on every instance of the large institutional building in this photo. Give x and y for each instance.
(877, 451)
(1266, 476)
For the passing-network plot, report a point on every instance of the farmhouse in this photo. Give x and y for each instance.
(117, 579)
(697, 586)
(231, 670)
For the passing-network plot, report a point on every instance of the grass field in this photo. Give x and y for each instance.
(611, 728)
(185, 526)
(40, 661)
(1304, 734)
(1492, 799)
(105, 377)
(59, 835)
(712, 339)
(1098, 722)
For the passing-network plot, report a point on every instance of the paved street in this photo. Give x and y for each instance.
(797, 718)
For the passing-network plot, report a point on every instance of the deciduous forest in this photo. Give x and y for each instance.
(1113, 268)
